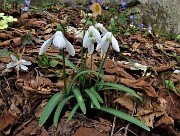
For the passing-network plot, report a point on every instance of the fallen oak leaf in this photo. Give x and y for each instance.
(6, 121)
(150, 109)
(164, 121)
(139, 84)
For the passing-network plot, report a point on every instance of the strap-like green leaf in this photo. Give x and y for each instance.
(73, 112)
(59, 109)
(69, 63)
(121, 88)
(93, 97)
(96, 94)
(80, 100)
(49, 107)
(79, 74)
(124, 116)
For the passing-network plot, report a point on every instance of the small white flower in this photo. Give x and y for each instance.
(58, 41)
(91, 36)
(19, 64)
(176, 72)
(100, 27)
(104, 44)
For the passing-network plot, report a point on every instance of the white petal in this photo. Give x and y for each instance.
(23, 67)
(176, 72)
(24, 62)
(105, 47)
(101, 28)
(58, 33)
(101, 43)
(59, 41)
(96, 33)
(108, 35)
(91, 49)
(98, 25)
(45, 46)
(86, 39)
(13, 58)
(17, 67)
(70, 48)
(11, 64)
(115, 44)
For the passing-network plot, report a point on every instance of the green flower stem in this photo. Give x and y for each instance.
(81, 68)
(101, 66)
(64, 71)
(90, 69)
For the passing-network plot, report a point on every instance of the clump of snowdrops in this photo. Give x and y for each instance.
(81, 88)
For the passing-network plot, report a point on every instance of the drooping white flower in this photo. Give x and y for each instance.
(19, 64)
(104, 44)
(91, 36)
(59, 41)
(100, 27)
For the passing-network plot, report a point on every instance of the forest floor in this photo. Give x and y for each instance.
(23, 94)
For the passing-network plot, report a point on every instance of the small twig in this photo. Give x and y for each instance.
(23, 125)
(126, 128)
(113, 126)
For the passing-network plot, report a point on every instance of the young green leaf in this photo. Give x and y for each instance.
(121, 88)
(96, 94)
(92, 97)
(124, 116)
(69, 63)
(80, 100)
(79, 74)
(171, 85)
(5, 52)
(49, 107)
(53, 63)
(73, 112)
(59, 109)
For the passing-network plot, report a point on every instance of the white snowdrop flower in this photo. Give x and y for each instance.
(176, 72)
(104, 44)
(59, 41)
(100, 27)
(91, 36)
(19, 64)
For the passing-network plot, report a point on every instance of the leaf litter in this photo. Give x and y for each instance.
(24, 96)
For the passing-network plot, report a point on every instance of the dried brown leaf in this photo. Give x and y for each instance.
(126, 101)
(139, 84)
(5, 43)
(135, 46)
(164, 121)
(6, 121)
(151, 108)
(110, 78)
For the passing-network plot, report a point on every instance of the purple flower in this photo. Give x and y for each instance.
(123, 3)
(68, 1)
(99, 1)
(91, 1)
(27, 2)
(131, 16)
(26, 8)
(141, 26)
(150, 28)
(72, 5)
